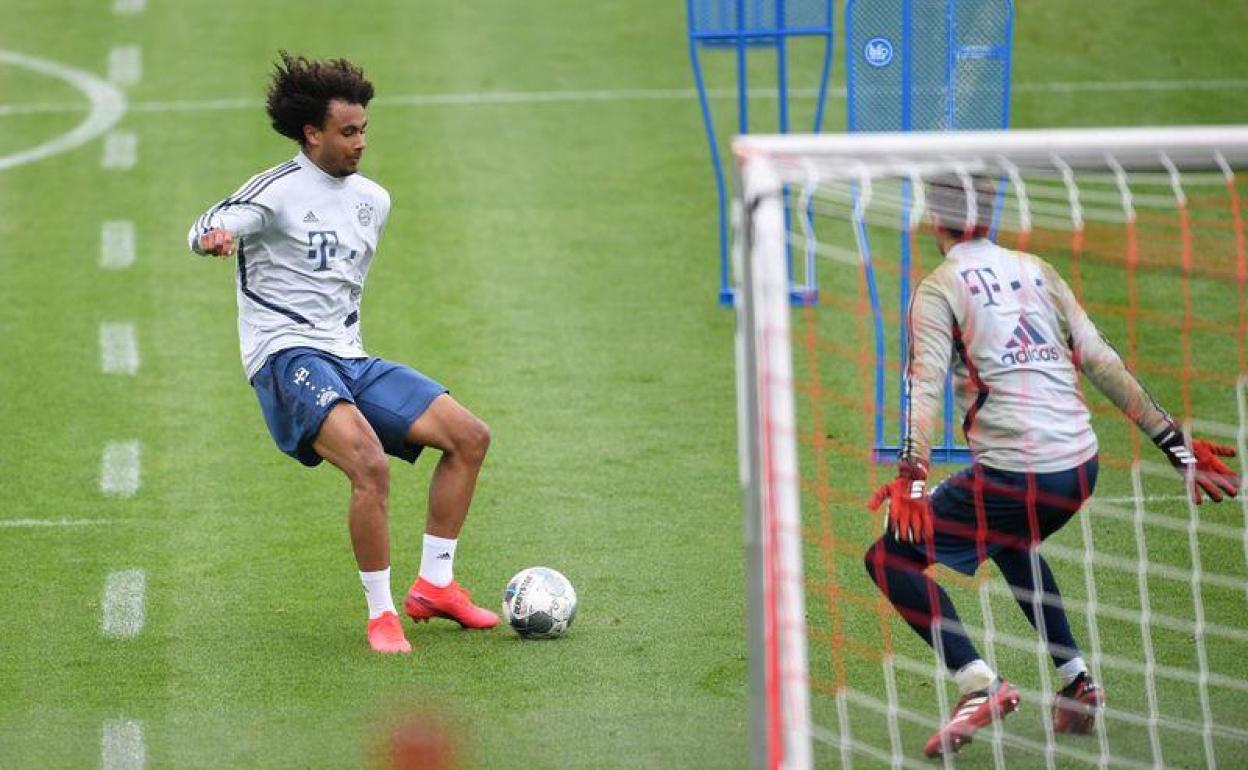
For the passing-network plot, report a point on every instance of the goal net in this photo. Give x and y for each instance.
(1147, 228)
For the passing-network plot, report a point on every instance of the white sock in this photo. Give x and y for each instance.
(377, 591)
(437, 561)
(1071, 669)
(975, 675)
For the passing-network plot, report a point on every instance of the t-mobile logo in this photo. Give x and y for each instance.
(982, 280)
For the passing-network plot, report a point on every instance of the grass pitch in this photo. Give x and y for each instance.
(551, 261)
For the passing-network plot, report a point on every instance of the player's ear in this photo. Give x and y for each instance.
(311, 135)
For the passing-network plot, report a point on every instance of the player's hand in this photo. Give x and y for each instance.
(217, 242)
(1202, 460)
(909, 513)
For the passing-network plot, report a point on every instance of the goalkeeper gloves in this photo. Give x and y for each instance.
(1208, 473)
(909, 513)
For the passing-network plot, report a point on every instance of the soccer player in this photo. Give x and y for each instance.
(1016, 339)
(304, 234)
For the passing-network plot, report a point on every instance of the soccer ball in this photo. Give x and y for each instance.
(539, 603)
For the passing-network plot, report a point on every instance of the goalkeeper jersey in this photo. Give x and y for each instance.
(304, 241)
(1016, 339)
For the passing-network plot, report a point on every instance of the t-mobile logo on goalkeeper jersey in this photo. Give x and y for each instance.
(1027, 344)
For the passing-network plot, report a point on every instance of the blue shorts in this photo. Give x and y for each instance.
(297, 388)
(967, 533)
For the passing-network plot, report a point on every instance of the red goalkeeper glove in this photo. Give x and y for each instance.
(1209, 474)
(909, 513)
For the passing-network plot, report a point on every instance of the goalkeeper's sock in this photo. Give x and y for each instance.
(437, 561)
(1070, 670)
(377, 592)
(976, 675)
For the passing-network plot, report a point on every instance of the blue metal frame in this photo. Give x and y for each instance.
(741, 38)
(947, 450)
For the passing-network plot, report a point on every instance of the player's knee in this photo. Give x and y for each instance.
(372, 472)
(473, 440)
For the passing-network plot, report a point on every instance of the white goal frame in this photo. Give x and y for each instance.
(768, 446)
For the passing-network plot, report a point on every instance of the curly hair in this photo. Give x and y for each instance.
(301, 90)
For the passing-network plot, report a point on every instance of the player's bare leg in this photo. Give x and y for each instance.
(349, 442)
(464, 440)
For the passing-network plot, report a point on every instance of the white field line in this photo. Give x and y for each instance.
(486, 98)
(106, 104)
(122, 746)
(40, 523)
(121, 150)
(125, 65)
(121, 615)
(128, 7)
(1145, 498)
(119, 469)
(119, 348)
(117, 244)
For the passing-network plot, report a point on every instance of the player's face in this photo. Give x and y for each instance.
(338, 146)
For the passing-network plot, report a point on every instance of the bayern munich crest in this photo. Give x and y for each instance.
(364, 211)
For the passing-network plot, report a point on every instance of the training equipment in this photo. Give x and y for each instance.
(539, 603)
(385, 634)
(453, 602)
(920, 65)
(785, 29)
(1132, 219)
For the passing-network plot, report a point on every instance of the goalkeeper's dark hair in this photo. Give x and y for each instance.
(301, 90)
(947, 198)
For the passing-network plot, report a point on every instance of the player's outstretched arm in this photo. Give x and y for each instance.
(1197, 461)
(217, 231)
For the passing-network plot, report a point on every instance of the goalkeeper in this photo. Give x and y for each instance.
(1016, 339)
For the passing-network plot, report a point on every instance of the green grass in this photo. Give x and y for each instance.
(552, 263)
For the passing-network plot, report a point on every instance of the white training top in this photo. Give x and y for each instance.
(304, 241)
(1016, 338)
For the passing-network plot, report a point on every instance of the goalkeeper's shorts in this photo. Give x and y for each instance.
(981, 510)
(298, 387)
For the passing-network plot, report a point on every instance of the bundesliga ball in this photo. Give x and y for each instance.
(539, 603)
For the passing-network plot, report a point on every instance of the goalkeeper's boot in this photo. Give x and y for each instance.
(974, 710)
(1076, 706)
(385, 634)
(425, 600)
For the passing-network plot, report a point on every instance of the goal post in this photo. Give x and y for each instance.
(780, 712)
(1147, 227)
